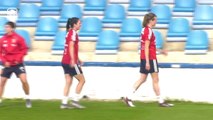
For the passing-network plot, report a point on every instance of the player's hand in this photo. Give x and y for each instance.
(7, 64)
(81, 62)
(164, 52)
(72, 63)
(147, 66)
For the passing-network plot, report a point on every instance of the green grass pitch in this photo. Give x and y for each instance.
(104, 110)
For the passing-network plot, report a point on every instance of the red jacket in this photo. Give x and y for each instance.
(12, 49)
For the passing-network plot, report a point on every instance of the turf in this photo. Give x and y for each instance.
(102, 110)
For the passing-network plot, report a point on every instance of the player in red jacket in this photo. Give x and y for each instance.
(72, 64)
(148, 58)
(13, 49)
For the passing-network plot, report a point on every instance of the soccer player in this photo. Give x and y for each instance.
(72, 64)
(12, 51)
(148, 62)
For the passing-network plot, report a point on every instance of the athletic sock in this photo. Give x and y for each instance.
(65, 100)
(160, 99)
(131, 93)
(27, 96)
(76, 97)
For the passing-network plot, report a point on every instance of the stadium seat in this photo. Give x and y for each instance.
(3, 20)
(205, 2)
(203, 17)
(74, 1)
(94, 7)
(183, 8)
(25, 34)
(5, 4)
(28, 15)
(163, 13)
(51, 7)
(139, 7)
(178, 30)
(114, 15)
(131, 30)
(74, 11)
(108, 42)
(91, 27)
(59, 41)
(31, 1)
(46, 29)
(197, 42)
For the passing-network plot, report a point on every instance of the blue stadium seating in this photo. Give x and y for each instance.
(163, 13)
(46, 29)
(74, 1)
(28, 15)
(74, 11)
(114, 15)
(25, 34)
(178, 29)
(91, 27)
(197, 42)
(31, 1)
(94, 7)
(183, 8)
(59, 41)
(131, 30)
(205, 2)
(203, 17)
(5, 4)
(108, 42)
(3, 20)
(163, 2)
(51, 7)
(139, 7)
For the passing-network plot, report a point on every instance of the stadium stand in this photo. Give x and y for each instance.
(163, 1)
(74, 1)
(139, 7)
(178, 30)
(108, 42)
(3, 20)
(114, 16)
(130, 30)
(5, 4)
(58, 45)
(197, 42)
(51, 7)
(74, 11)
(91, 27)
(46, 29)
(183, 8)
(31, 1)
(205, 2)
(119, 1)
(94, 7)
(203, 17)
(25, 34)
(159, 39)
(28, 15)
(163, 13)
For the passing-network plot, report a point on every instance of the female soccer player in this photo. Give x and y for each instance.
(72, 64)
(148, 60)
(12, 51)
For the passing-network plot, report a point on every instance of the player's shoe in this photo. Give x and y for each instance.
(128, 102)
(66, 106)
(165, 104)
(28, 103)
(77, 104)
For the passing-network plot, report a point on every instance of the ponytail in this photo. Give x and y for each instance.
(71, 22)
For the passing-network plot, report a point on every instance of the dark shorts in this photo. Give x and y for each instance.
(72, 71)
(17, 69)
(153, 67)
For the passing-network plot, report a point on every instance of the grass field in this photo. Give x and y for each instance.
(102, 110)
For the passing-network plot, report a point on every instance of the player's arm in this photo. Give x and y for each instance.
(22, 50)
(146, 50)
(162, 51)
(71, 51)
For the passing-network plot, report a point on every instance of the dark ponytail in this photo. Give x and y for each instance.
(71, 22)
(147, 18)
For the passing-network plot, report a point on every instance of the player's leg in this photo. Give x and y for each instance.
(2, 86)
(5, 75)
(68, 83)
